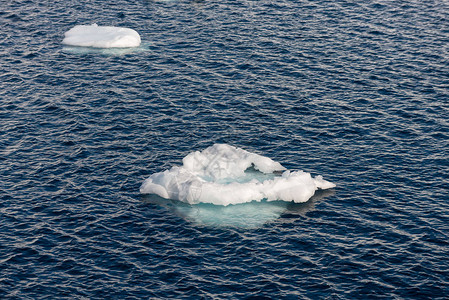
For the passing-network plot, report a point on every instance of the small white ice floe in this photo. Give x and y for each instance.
(101, 37)
(223, 175)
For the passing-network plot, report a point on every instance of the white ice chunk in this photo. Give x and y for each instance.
(222, 161)
(223, 175)
(101, 37)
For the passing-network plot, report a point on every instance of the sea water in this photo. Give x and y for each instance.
(356, 92)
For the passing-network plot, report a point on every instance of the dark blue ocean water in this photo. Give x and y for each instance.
(356, 91)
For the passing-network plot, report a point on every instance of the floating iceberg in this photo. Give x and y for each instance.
(223, 175)
(101, 37)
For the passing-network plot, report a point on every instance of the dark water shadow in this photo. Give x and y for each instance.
(247, 215)
(302, 209)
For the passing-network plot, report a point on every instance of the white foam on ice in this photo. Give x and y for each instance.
(223, 175)
(101, 37)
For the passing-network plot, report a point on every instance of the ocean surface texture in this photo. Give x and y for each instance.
(355, 91)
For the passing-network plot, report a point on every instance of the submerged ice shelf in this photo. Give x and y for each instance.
(223, 175)
(101, 37)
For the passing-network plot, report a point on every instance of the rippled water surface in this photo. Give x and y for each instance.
(356, 91)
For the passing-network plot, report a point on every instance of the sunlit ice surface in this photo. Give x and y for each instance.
(224, 175)
(101, 37)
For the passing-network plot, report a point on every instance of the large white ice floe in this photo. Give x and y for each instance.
(223, 175)
(101, 37)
